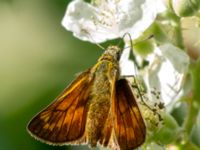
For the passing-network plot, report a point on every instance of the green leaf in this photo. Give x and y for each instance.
(169, 132)
(195, 136)
(143, 48)
(159, 34)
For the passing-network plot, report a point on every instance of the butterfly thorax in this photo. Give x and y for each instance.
(106, 71)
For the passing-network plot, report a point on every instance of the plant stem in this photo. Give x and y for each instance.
(193, 102)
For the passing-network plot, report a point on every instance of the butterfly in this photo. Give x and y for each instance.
(97, 107)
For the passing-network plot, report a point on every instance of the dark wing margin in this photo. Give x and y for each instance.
(129, 126)
(63, 121)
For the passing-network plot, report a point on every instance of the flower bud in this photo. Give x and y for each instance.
(184, 8)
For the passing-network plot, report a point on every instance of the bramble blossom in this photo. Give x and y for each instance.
(109, 19)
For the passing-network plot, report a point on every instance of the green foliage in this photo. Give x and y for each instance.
(143, 48)
(169, 131)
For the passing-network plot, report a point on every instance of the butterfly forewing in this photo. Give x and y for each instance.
(64, 120)
(129, 126)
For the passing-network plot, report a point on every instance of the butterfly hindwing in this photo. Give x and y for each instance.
(129, 126)
(64, 120)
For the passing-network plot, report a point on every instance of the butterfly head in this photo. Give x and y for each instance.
(112, 53)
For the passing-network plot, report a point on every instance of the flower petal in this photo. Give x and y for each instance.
(166, 72)
(127, 67)
(109, 19)
(82, 19)
(178, 58)
(148, 12)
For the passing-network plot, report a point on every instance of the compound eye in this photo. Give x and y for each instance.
(118, 55)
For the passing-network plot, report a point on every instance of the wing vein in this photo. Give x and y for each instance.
(75, 111)
(121, 114)
(61, 125)
(56, 122)
(136, 116)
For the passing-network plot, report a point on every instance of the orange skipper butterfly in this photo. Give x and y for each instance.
(97, 107)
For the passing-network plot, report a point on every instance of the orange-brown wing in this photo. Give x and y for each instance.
(64, 120)
(106, 133)
(129, 126)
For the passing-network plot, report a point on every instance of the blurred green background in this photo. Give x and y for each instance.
(38, 59)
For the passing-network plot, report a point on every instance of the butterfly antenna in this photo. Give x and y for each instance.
(131, 54)
(131, 46)
(123, 38)
(89, 36)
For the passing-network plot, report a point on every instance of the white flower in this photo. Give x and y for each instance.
(166, 71)
(127, 67)
(110, 19)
